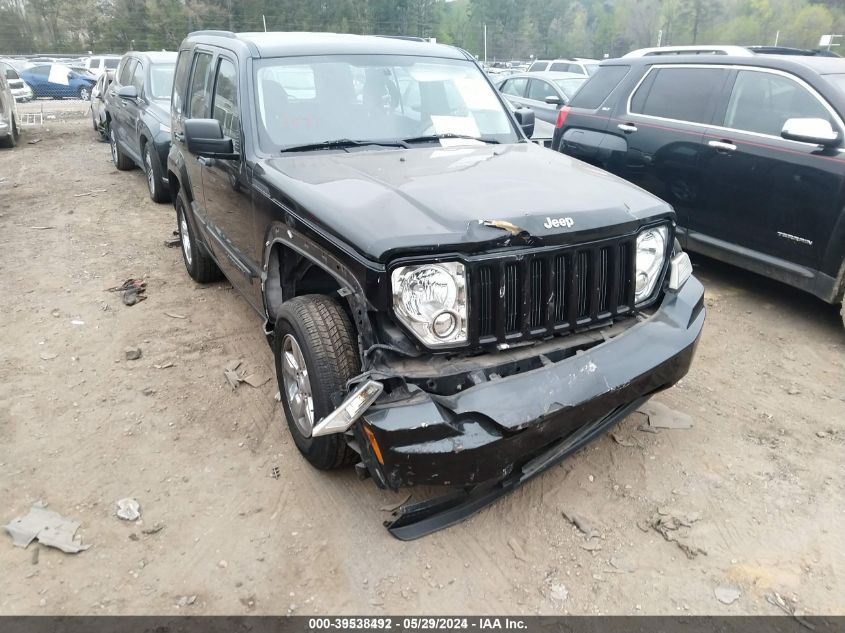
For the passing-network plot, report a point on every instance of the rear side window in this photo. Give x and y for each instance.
(199, 86)
(537, 66)
(538, 90)
(183, 64)
(138, 77)
(682, 94)
(111, 63)
(598, 87)
(95, 63)
(125, 76)
(515, 87)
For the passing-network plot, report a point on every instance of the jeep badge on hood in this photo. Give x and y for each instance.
(559, 223)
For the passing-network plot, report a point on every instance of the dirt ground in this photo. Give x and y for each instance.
(757, 480)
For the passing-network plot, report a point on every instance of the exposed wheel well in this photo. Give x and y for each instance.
(290, 274)
(173, 185)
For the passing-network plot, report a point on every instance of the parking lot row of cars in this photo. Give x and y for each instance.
(32, 78)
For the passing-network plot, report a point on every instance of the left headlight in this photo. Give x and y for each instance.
(651, 253)
(431, 300)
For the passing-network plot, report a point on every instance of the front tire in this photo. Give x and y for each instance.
(11, 140)
(199, 264)
(315, 352)
(152, 170)
(120, 160)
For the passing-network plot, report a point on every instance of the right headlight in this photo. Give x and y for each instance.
(431, 300)
(651, 254)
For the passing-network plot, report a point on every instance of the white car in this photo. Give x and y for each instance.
(19, 88)
(96, 64)
(577, 65)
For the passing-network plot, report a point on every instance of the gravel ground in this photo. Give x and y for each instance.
(744, 507)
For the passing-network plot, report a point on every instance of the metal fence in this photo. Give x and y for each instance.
(42, 111)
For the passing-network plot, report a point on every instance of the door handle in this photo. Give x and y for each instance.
(179, 136)
(628, 128)
(722, 146)
(204, 160)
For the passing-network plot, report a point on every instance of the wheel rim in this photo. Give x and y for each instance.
(113, 145)
(297, 386)
(83, 94)
(148, 167)
(185, 237)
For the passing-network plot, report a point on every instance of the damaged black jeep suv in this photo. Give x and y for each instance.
(447, 302)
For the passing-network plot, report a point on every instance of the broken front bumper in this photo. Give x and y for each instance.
(485, 432)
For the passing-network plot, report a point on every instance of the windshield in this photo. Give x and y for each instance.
(111, 63)
(569, 86)
(305, 100)
(161, 80)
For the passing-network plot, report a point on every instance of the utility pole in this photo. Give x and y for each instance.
(263, 19)
(777, 38)
(660, 38)
(485, 42)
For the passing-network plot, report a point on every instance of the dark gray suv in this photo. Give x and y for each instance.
(750, 151)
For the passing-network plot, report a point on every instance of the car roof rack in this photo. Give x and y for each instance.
(737, 51)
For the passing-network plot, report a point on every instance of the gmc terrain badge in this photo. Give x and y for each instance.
(559, 223)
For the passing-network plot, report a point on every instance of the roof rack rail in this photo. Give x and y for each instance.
(214, 33)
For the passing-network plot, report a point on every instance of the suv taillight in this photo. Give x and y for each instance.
(561, 116)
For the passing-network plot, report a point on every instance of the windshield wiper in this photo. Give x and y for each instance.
(341, 143)
(437, 137)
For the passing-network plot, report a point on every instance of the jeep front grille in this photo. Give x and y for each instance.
(533, 294)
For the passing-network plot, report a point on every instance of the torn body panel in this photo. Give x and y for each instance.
(485, 432)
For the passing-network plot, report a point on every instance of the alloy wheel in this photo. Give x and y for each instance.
(148, 168)
(297, 386)
(113, 145)
(186, 238)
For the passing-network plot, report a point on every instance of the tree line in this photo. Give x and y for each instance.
(516, 29)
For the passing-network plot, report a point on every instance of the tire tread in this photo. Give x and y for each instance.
(332, 345)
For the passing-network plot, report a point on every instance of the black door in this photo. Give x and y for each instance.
(226, 188)
(774, 196)
(132, 114)
(658, 133)
(120, 119)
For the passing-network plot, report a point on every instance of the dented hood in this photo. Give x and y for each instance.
(436, 199)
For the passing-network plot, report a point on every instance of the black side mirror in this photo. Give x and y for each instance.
(204, 137)
(525, 118)
(127, 92)
(553, 100)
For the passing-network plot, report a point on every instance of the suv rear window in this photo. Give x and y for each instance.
(537, 66)
(598, 87)
(682, 94)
